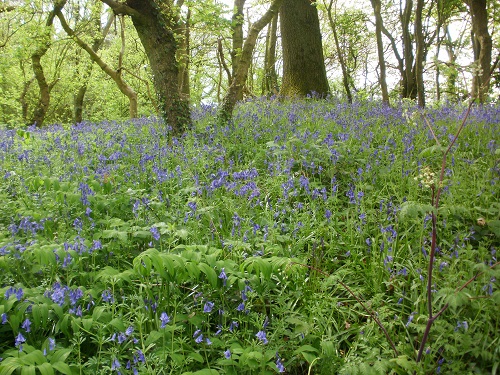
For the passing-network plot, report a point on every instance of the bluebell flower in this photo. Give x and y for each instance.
(233, 325)
(223, 276)
(52, 343)
(155, 233)
(139, 357)
(19, 341)
(410, 319)
(26, 325)
(207, 341)
(261, 335)
(164, 318)
(107, 296)
(129, 331)
(4, 318)
(227, 354)
(241, 307)
(279, 364)
(115, 364)
(208, 307)
(199, 338)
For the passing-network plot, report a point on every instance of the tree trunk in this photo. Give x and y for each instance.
(183, 57)
(240, 76)
(482, 46)
(237, 36)
(419, 56)
(155, 22)
(380, 50)
(270, 82)
(116, 75)
(346, 79)
(44, 100)
(303, 63)
(409, 89)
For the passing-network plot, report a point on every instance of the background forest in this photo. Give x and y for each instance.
(95, 67)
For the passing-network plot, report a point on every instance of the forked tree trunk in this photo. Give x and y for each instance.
(303, 62)
(44, 87)
(380, 50)
(155, 22)
(240, 76)
(419, 56)
(270, 81)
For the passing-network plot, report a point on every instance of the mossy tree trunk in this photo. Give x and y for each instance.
(155, 22)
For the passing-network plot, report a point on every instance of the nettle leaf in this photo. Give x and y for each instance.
(457, 299)
(432, 151)
(494, 226)
(412, 210)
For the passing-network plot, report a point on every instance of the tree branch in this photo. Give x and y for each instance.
(121, 8)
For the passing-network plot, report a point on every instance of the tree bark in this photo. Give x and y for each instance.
(380, 50)
(240, 76)
(155, 22)
(482, 46)
(303, 62)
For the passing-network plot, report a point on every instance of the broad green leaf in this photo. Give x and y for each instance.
(45, 369)
(28, 370)
(62, 368)
(153, 337)
(60, 356)
(209, 273)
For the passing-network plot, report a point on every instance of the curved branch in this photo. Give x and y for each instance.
(121, 8)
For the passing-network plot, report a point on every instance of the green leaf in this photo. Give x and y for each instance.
(28, 370)
(40, 315)
(209, 273)
(45, 369)
(196, 356)
(206, 371)
(433, 150)
(62, 367)
(35, 357)
(153, 337)
(60, 356)
(118, 324)
(9, 365)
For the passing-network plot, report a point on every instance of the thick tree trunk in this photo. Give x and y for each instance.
(380, 50)
(419, 56)
(155, 27)
(303, 63)
(240, 76)
(155, 22)
(482, 45)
